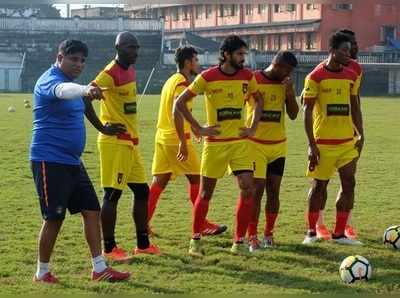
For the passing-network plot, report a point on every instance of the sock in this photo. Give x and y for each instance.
(142, 238)
(312, 220)
(42, 269)
(341, 220)
(154, 196)
(244, 211)
(109, 244)
(193, 192)
(99, 264)
(252, 229)
(349, 218)
(199, 215)
(270, 223)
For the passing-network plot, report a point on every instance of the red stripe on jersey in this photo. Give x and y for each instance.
(122, 76)
(322, 73)
(186, 84)
(213, 140)
(267, 142)
(263, 79)
(215, 74)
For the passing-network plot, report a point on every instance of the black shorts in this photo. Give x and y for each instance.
(61, 187)
(277, 167)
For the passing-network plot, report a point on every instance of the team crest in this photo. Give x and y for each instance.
(119, 178)
(245, 87)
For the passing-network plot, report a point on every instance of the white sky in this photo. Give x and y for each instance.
(63, 7)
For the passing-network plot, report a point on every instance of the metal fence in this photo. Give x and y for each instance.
(33, 24)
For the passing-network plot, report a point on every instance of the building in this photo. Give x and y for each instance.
(304, 27)
(98, 12)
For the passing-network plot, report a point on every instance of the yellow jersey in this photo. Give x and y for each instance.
(166, 131)
(271, 128)
(119, 103)
(332, 120)
(225, 98)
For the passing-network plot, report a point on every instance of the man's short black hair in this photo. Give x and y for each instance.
(285, 57)
(337, 39)
(231, 44)
(184, 53)
(348, 32)
(73, 46)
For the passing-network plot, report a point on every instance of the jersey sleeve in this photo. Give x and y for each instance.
(355, 89)
(198, 86)
(311, 89)
(47, 88)
(104, 80)
(253, 86)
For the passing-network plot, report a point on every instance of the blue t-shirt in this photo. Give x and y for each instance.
(58, 124)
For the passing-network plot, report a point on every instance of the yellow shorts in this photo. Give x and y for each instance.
(216, 158)
(164, 161)
(332, 158)
(263, 155)
(120, 165)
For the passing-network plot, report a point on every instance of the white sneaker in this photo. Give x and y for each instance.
(311, 237)
(254, 245)
(268, 242)
(345, 241)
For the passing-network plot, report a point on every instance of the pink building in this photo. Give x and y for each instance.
(305, 26)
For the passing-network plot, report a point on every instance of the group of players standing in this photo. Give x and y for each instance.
(244, 135)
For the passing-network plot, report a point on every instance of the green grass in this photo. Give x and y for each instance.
(292, 268)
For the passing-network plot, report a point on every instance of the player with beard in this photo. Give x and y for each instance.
(226, 88)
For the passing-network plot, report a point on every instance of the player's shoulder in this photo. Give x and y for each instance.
(262, 78)
(215, 73)
(51, 76)
(210, 74)
(318, 73)
(175, 80)
(355, 66)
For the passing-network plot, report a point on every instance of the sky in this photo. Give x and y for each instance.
(63, 7)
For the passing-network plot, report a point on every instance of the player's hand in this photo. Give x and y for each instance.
(288, 82)
(182, 152)
(207, 131)
(196, 137)
(359, 144)
(313, 156)
(246, 132)
(112, 129)
(94, 92)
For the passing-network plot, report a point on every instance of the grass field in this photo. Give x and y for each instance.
(291, 269)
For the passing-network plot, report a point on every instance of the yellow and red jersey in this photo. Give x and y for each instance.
(332, 93)
(166, 131)
(225, 97)
(119, 104)
(271, 128)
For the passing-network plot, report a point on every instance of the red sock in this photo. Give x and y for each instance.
(193, 192)
(200, 211)
(252, 229)
(154, 195)
(270, 223)
(244, 211)
(341, 220)
(312, 220)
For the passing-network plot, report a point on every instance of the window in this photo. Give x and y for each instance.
(175, 14)
(310, 41)
(311, 6)
(290, 41)
(232, 10)
(249, 9)
(387, 32)
(261, 8)
(291, 7)
(260, 43)
(208, 11)
(277, 42)
(185, 13)
(276, 8)
(199, 11)
(221, 10)
(343, 6)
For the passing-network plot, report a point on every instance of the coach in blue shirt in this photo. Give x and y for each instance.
(58, 141)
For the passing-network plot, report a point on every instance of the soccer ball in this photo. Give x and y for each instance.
(26, 101)
(355, 268)
(391, 237)
(27, 106)
(11, 109)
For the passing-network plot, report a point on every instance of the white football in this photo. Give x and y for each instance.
(11, 109)
(355, 268)
(391, 237)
